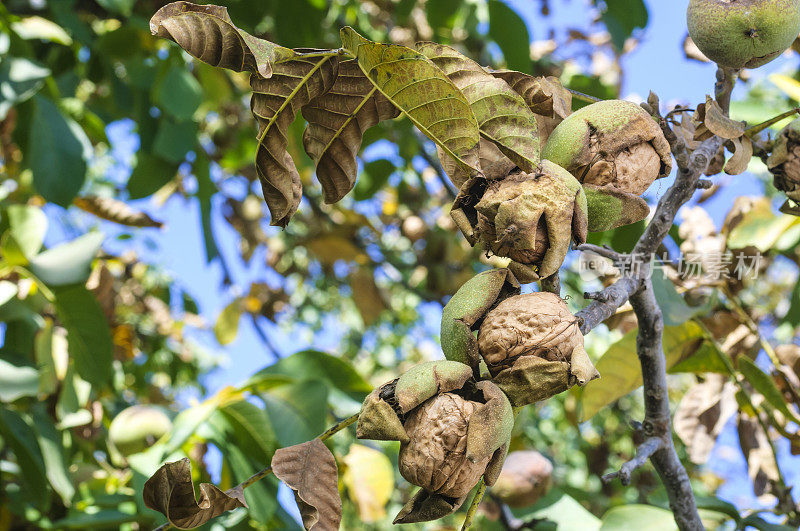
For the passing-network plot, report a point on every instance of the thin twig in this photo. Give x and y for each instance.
(643, 453)
(261, 474)
(265, 338)
(584, 97)
(473, 507)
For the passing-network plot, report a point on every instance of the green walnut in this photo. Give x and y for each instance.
(784, 161)
(137, 428)
(531, 344)
(743, 33)
(528, 217)
(525, 478)
(452, 429)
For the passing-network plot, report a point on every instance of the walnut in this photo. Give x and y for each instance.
(435, 458)
(525, 478)
(784, 161)
(524, 327)
(612, 142)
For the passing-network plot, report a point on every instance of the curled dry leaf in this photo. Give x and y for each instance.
(309, 469)
(115, 210)
(424, 93)
(207, 33)
(275, 103)
(702, 413)
(742, 153)
(503, 117)
(760, 464)
(170, 492)
(337, 120)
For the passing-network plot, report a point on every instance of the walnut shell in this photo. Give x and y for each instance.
(784, 161)
(435, 458)
(612, 142)
(534, 324)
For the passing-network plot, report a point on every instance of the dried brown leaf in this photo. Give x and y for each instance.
(115, 210)
(369, 300)
(309, 469)
(275, 103)
(742, 153)
(702, 413)
(337, 120)
(207, 33)
(503, 116)
(719, 123)
(760, 463)
(170, 492)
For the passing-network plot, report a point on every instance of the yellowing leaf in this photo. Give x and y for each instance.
(423, 92)
(370, 481)
(760, 227)
(227, 326)
(789, 86)
(620, 370)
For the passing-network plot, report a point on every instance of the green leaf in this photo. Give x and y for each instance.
(174, 140)
(20, 79)
(509, 31)
(8, 290)
(260, 497)
(423, 92)
(316, 365)
(57, 153)
(621, 17)
(712, 503)
(252, 428)
(17, 381)
(620, 371)
(149, 175)
(123, 7)
(561, 509)
(28, 225)
(793, 314)
(374, 176)
(205, 190)
(31, 28)
(68, 263)
(88, 336)
(636, 517)
(179, 94)
(759, 523)
(227, 326)
(299, 409)
(50, 442)
(706, 359)
(18, 434)
(103, 519)
(503, 116)
(764, 385)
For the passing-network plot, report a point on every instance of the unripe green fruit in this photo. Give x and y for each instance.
(137, 428)
(743, 33)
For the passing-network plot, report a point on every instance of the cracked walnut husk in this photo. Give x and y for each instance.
(784, 161)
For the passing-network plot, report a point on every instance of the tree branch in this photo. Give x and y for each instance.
(643, 453)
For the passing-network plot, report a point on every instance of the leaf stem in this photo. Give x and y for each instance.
(473, 507)
(584, 97)
(752, 131)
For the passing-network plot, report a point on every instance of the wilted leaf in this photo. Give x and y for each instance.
(370, 479)
(418, 88)
(503, 116)
(742, 153)
(309, 469)
(170, 491)
(275, 103)
(621, 370)
(702, 413)
(207, 33)
(756, 449)
(719, 123)
(115, 210)
(336, 124)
